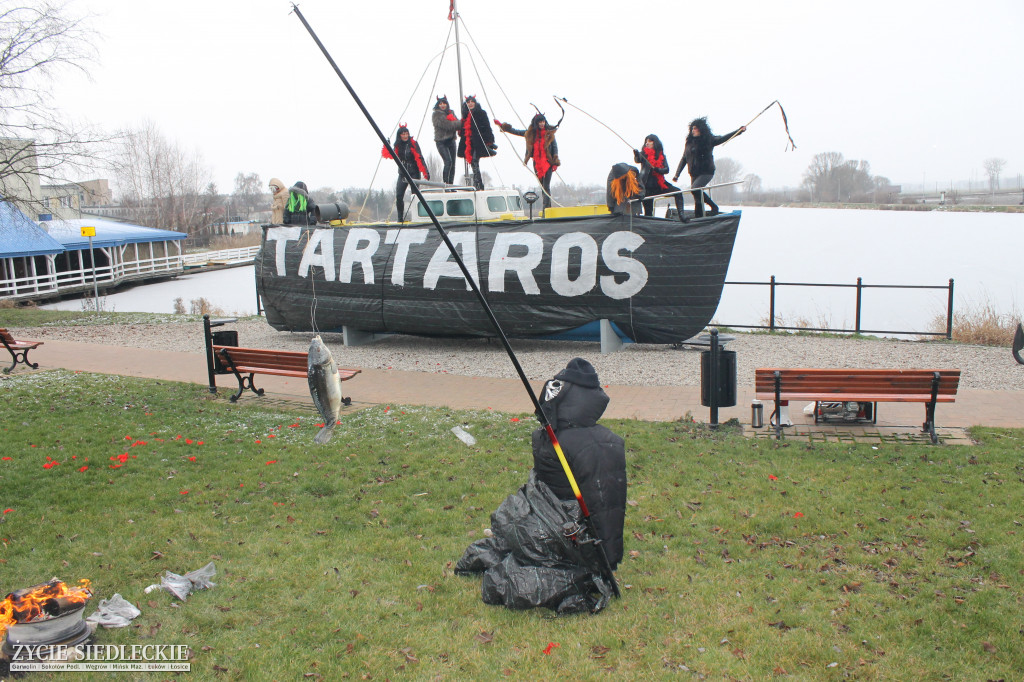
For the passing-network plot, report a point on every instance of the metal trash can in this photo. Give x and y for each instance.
(726, 378)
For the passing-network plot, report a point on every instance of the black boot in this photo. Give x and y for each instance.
(714, 207)
(400, 205)
(681, 209)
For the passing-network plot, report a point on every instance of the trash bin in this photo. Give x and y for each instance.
(726, 378)
(227, 337)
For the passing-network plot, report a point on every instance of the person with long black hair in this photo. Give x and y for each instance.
(542, 148)
(446, 126)
(477, 138)
(653, 168)
(408, 152)
(698, 157)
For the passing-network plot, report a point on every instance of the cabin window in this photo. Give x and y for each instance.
(496, 204)
(515, 203)
(460, 207)
(437, 207)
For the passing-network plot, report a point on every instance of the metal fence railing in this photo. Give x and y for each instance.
(858, 329)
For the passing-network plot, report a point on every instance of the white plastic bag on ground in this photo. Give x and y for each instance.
(116, 612)
(463, 435)
(181, 585)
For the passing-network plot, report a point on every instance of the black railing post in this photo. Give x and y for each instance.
(949, 312)
(859, 290)
(771, 305)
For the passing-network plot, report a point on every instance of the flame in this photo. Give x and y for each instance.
(41, 602)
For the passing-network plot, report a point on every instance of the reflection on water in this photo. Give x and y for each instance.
(980, 251)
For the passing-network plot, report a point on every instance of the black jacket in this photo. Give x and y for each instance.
(404, 152)
(481, 134)
(698, 153)
(297, 194)
(596, 456)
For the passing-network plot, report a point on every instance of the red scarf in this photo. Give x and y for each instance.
(541, 165)
(467, 135)
(656, 162)
(415, 154)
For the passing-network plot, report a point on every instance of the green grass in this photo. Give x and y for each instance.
(745, 559)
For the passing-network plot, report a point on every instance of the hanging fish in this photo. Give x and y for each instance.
(324, 387)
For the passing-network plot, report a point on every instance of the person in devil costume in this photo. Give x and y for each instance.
(541, 147)
(408, 152)
(653, 168)
(698, 156)
(477, 138)
(446, 126)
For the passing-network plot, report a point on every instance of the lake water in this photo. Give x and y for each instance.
(981, 252)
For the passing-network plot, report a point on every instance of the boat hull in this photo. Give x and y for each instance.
(658, 281)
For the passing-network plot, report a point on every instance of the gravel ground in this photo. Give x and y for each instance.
(983, 367)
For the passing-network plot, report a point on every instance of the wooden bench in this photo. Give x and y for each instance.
(18, 350)
(929, 386)
(224, 356)
(252, 361)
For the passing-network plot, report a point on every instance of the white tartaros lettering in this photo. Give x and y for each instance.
(403, 239)
(322, 257)
(560, 254)
(282, 235)
(637, 273)
(352, 254)
(442, 265)
(523, 266)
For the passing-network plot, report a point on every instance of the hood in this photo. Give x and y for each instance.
(574, 397)
(276, 186)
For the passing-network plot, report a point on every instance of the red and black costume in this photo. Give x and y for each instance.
(476, 139)
(653, 168)
(542, 148)
(409, 154)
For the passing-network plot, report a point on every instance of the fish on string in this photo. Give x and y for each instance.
(324, 387)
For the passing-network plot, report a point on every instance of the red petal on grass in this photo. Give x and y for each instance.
(549, 647)
(188, 441)
(271, 461)
(33, 445)
(184, 492)
(8, 510)
(192, 458)
(798, 515)
(116, 466)
(293, 426)
(178, 437)
(258, 440)
(84, 468)
(514, 419)
(6, 458)
(772, 477)
(272, 435)
(199, 442)
(127, 437)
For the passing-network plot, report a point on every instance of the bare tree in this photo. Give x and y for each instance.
(250, 195)
(163, 185)
(993, 167)
(39, 42)
(727, 170)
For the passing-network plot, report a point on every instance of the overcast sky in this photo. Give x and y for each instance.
(924, 91)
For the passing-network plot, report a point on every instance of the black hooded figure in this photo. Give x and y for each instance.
(300, 209)
(573, 402)
(446, 127)
(653, 168)
(698, 156)
(408, 152)
(538, 553)
(476, 138)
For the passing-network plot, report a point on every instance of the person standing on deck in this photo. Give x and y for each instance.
(446, 126)
(408, 152)
(300, 209)
(477, 138)
(698, 156)
(541, 147)
(653, 168)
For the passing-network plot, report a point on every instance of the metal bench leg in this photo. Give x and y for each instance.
(778, 407)
(243, 384)
(929, 410)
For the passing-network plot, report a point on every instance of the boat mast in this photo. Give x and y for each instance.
(458, 62)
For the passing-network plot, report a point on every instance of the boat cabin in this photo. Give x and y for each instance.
(465, 204)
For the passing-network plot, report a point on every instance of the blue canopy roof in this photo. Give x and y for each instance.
(108, 233)
(19, 236)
